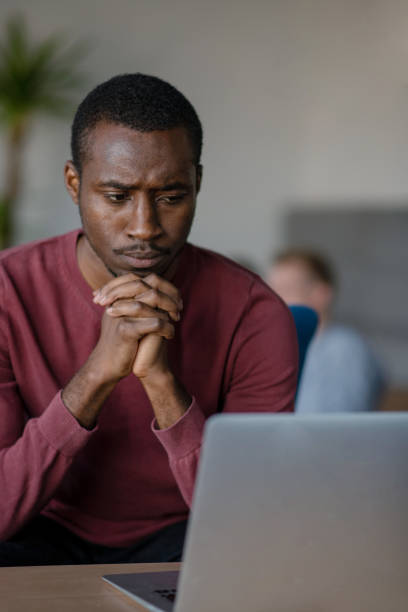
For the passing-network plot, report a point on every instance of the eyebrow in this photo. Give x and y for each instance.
(129, 187)
(116, 185)
(174, 186)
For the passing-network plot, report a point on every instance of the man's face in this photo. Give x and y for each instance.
(291, 280)
(136, 196)
(296, 285)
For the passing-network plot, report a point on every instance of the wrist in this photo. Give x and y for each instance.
(98, 372)
(85, 394)
(168, 397)
(158, 379)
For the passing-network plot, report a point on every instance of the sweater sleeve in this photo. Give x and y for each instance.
(35, 453)
(33, 458)
(261, 376)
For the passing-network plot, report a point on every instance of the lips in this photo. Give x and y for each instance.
(142, 254)
(142, 259)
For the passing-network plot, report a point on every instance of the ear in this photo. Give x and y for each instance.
(199, 176)
(72, 181)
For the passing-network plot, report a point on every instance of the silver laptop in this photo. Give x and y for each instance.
(293, 514)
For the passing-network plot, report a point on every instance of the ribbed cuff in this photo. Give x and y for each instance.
(185, 436)
(61, 429)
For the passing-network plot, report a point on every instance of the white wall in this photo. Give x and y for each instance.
(301, 100)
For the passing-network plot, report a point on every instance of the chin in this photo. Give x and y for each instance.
(142, 272)
(161, 268)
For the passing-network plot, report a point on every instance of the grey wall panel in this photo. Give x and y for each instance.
(369, 249)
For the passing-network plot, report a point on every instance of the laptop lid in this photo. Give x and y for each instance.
(299, 514)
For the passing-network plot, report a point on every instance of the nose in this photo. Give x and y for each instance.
(143, 223)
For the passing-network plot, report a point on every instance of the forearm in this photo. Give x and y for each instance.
(86, 393)
(168, 397)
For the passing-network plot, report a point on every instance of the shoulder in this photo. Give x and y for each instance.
(229, 280)
(343, 339)
(222, 295)
(211, 265)
(212, 262)
(34, 258)
(341, 347)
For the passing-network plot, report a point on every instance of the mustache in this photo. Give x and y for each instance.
(140, 248)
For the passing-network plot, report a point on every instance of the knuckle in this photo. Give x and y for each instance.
(123, 327)
(153, 295)
(113, 309)
(157, 324)
(137, 307)
(152, 279)
(140, 285)
(126, 327)
(123, 324)
(130, 276)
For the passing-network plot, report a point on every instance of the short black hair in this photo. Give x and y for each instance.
(315, 263)
(139, 101)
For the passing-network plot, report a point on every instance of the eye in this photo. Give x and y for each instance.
(117, 197)
(171, 199)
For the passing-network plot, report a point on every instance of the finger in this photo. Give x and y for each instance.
(138, 328)
(136, 309)
(163, 285)
(161, 301)
(128, 284)
(152, 280)
(134, 286)
(147, 295)
(126, 289)
(119, 280)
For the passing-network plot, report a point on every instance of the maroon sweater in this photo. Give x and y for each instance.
(235, 350)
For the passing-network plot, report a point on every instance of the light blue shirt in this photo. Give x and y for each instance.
(341, 374)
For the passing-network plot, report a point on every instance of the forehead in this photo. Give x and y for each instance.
(126, 153)
(291, 273)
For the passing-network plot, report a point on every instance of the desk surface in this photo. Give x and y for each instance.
(68, 588)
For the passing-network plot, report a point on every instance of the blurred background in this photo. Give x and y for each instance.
(304, 105)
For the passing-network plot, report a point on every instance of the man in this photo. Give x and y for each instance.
(119, 340)
(341, 372)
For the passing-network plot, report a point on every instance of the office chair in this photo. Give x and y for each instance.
(306, 321)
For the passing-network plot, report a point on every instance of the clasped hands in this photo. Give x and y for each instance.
(139, 316)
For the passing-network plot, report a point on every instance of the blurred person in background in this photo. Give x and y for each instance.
(341, 372)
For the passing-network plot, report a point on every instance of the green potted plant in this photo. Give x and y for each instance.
(34, 78)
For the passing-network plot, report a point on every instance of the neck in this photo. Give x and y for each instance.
(91, 267)
(323, 321)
